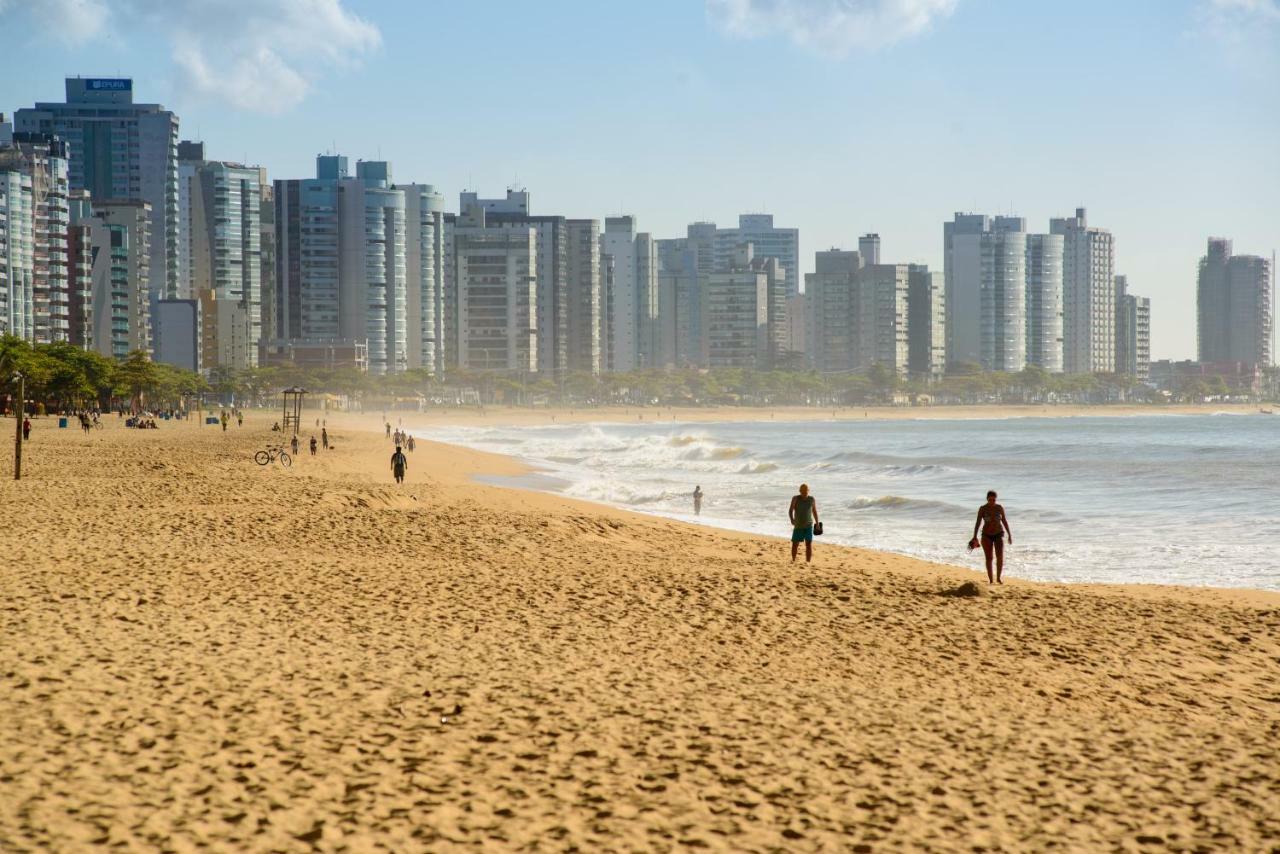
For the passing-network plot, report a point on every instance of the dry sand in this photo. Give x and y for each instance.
(199, 653)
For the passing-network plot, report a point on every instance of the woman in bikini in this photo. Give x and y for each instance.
(994, 526)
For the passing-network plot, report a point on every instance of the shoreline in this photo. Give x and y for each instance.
(506, 469)
(496, 416)
(201, 652)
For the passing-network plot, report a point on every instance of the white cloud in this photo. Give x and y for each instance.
(831, 27)
(74, 21)
(1260, 10)
(1247, 32)
(260, 55)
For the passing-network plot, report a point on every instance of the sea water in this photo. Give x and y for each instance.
(1146, 499)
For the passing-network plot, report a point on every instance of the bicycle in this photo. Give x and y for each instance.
(271, 454)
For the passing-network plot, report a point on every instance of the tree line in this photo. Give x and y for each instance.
(65, 377)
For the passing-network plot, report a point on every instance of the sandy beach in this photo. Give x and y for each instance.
(197, 652)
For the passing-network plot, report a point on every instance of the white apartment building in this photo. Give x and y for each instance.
(1133, 332)
(1044, 301)
(1088, 295)
(372, 266)
(634, 336)
(880, 316)
(985, 274)
(424, 276)
(341, 263)
(926, 323)
(220, 253)
(736, 313)
(35, 297)
(497, 294)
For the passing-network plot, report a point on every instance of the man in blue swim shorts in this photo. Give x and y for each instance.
(804, 515)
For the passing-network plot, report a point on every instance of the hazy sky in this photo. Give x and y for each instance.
(837, 116)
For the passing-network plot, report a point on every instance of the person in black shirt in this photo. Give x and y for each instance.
(399, 462)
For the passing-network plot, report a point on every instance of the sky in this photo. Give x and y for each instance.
(839, 117)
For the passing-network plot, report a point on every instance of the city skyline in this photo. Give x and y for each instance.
(938, 145)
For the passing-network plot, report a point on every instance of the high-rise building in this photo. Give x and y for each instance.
(179, 333)
(425, 274)
(926, 323)
(17, 253)
(831, 294)
(1133, 332)
(568, 280)
(869, 248)
(798, 326)
(515, 202)
(80, 262)
(737, 311)
(633, 302)
(607, 275)
(372, 262)
(1235, 307)
(585, 298)
(267, 247)
(497, 294)
(985, 272)
(681, 295)
(767, 241)
(1044, 301)
(880, 316)
(33, 250)
(1088, 295)
(121, 245)
(220, 255)
(119, 150)
(341, 274)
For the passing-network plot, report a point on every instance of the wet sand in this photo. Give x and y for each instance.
(200, 653)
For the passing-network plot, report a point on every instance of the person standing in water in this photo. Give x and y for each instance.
(804, 515)
(399, 462)
(994, 526)
(697, 501)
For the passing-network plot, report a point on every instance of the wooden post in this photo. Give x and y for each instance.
(21, 412)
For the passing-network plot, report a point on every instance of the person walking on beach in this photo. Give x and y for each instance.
(412, 444)
(994, 526)
(324, 437)
(399, 462)
(804, 515)
(239, 418)
(697, 501)
(313, 446)
(388, 429)
(293, 443)
(26, 429)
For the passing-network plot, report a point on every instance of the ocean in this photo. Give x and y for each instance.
(1159, 499)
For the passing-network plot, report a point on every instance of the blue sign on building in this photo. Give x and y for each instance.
(108, 84)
